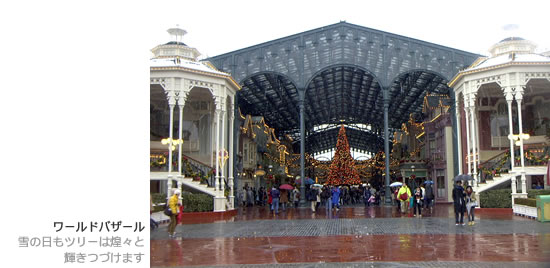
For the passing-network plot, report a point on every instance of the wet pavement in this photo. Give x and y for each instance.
(355, 237)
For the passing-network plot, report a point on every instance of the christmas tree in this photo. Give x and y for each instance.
(342, 169)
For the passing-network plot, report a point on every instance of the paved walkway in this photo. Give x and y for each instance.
(355, 237)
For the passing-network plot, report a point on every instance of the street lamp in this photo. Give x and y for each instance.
(519, 138)
(171, 142)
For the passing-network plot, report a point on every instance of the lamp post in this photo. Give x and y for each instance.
(171, 143)
(518, 140)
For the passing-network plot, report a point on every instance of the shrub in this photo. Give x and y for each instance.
(197, 202)
(159, 198)
(502, 198)
(534, 193)
(496, 198)
(531, 202)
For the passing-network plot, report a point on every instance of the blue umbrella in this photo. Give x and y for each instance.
(428, 182)
(307, 181)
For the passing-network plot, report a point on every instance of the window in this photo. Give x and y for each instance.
(440, 177)
(245, 152)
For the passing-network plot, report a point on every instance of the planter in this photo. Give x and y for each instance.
(526, 211)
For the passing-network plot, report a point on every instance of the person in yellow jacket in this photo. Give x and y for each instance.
(403, 196)
(173, 203)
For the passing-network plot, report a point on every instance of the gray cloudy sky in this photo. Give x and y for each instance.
(216, 27)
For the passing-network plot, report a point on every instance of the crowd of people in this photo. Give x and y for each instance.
(329, 196)
(333, 197)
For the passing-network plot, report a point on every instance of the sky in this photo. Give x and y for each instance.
(217, 27)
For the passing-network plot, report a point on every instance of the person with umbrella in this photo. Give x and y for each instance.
(284, 194)
(459, 202)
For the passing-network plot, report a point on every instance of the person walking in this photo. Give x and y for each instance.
(317, 197)
(471, 204)
(174, 204)
(429, 197)
(336, 198)
(275, 194)
(250, 197)
(403, 196)
(284, 199)
(270, 199)
(326, 197)
(459, 203)
(417, 202)
(296, 197)
(366, 196)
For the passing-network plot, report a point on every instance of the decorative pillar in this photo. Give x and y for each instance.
(212, 138)
(509, 99)
(473, 135)
(171, 105)
(230, 152)
(387, 145)
(302, 149)
(217, 141)
(467, 120)
(459, 136)
(519, 97)
(222, 150)
(181, 104)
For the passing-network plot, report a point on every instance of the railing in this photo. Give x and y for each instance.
(195, 166)
(495, 166)
(534, 156)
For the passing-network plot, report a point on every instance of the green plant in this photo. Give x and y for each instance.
(496, 198)
(197, 202)
(530, 202)
(158, 198)
(533, 193)
(502, 198)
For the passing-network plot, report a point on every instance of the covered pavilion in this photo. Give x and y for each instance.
(306, 84)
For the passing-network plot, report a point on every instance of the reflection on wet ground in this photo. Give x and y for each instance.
(354, 235)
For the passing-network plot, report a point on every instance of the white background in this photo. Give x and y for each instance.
(75, 80)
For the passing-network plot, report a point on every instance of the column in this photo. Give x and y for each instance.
(459, 136)
(509, 98)
(171, 105)
(181, 104)
(217, 141)
(212, 138)
(519, 98)
(222, 149)
(473, 135)
(467, 120)
(231, 151)
(302, 149)
(387, 145)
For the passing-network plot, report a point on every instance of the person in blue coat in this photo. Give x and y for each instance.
(336, 198)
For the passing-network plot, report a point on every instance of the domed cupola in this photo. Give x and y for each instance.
(515, 45)
(176, 48)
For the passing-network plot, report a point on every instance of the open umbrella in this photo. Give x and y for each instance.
(395, 184)
(463, 177)
(428, 182)
(286, 187)
(317, 185)
(307, 181)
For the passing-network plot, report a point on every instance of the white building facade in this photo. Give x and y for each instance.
(192, 115)
(503, 112)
